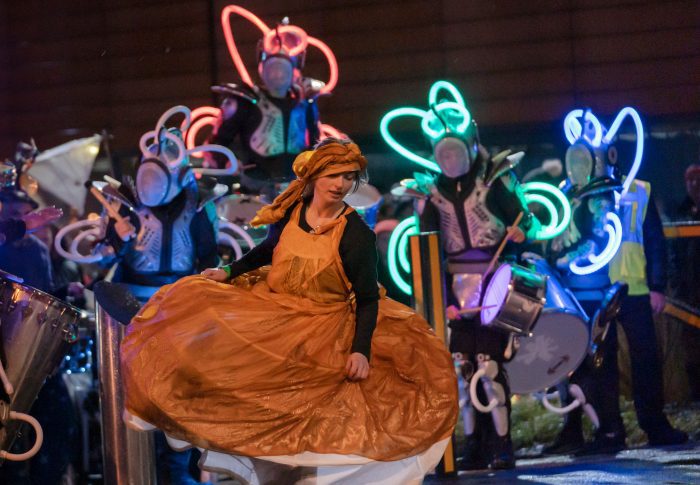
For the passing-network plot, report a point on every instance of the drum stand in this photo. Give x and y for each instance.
(128, 455)
(429, 301)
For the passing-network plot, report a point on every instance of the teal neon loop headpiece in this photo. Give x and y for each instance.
(445, 117)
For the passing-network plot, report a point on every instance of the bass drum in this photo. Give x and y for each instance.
(559, 342)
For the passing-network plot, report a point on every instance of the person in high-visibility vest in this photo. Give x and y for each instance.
(641, 263)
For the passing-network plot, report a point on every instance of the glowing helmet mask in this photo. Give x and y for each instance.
(162, 176)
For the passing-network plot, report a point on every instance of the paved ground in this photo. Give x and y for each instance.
(670, 465)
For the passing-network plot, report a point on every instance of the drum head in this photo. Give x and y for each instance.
(556, 349)
(496, 293)
(239, 209)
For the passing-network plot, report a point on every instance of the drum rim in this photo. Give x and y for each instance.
(52, 298)
(505, 297)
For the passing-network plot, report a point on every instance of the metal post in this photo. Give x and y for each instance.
(429, 301)
(128, 456)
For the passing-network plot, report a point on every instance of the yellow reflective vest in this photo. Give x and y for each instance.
(629, 264)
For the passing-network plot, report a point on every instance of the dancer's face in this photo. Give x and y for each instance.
(333, 188)
(277, 74)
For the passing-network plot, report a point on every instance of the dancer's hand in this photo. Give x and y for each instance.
(357, 367)
(39, 218)
(216, 274)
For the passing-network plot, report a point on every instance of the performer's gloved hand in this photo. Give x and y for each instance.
(452, 312)
(515, 234)
(658, 301)
(125, 230)
(357, 367)
(38, 218)
(216, 274)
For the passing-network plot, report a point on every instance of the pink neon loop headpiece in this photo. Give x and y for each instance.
(288, 40)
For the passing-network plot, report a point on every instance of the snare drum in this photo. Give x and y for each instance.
(366, 201)
(37, 332)
(240, 209)
(559, 342)
(513, 299)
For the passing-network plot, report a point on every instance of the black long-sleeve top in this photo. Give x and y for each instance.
(654, 248)
(12, 230)
(358, 254)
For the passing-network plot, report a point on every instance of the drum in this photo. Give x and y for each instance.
(240, 209)
(559, 343)
(37, 332)
(366, 200)
(513, 299)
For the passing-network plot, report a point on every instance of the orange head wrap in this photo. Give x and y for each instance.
(329, 159)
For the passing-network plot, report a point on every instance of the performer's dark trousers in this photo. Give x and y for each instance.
(637, 321)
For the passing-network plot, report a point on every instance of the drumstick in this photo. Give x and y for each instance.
(6, 384)
(503, 245)
(475, 309)
(112, 211)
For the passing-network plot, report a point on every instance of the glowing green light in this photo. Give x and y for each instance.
(400, 149)
(447, 86)
(397, 241)
(429, 118)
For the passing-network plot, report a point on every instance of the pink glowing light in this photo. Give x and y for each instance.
(201, 117)
(332, 64)
(275, 37)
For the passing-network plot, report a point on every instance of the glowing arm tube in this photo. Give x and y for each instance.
(404, 229)
(614, 241)
(556, 225)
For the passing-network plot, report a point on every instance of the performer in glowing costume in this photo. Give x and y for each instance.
(270, 123)
(471, 202)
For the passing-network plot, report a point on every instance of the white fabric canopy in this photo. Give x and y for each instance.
(63, 170)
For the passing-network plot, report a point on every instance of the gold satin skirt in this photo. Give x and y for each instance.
(247, 371)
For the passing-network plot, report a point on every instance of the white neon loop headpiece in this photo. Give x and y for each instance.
(573, 130)
(155, 137)
(164, 169)
(271, 41)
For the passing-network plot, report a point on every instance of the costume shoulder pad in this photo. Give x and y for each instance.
(238, 91)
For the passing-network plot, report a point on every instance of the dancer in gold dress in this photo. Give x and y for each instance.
(300, 362)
